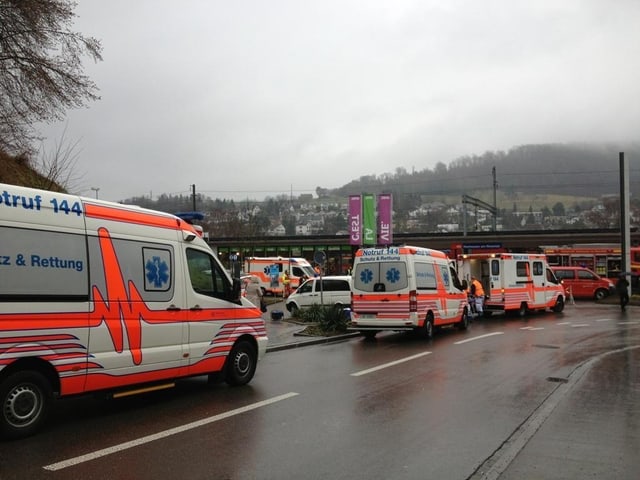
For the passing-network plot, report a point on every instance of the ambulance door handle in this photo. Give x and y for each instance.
(195, 308)
(173, 308)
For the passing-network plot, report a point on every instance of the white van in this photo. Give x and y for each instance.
(329, 290)
(521, 282)
(99, 296)
(405, 288)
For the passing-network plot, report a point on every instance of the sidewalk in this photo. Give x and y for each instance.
(284, 334)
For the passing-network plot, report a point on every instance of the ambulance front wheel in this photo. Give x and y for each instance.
(463, 324)
(25, 397)
(241, 364)
(559, 306)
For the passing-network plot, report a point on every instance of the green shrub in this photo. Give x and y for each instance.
(333, 320)
(329, 318)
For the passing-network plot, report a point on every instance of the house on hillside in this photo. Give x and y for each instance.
(304, 229)
(277, 231)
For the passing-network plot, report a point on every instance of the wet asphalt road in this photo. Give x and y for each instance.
(550, 396)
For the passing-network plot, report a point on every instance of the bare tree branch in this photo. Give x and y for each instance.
(58, 165)
(41, 74)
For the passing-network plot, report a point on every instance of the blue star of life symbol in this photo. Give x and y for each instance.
(393, 275)
(157, 271)
(366, 276)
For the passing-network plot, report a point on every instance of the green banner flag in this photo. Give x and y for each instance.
(369, 219)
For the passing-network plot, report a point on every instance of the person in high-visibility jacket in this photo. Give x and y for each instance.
(477, 292)
(286, 283)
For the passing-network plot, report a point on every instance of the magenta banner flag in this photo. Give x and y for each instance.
(355, 220)
(385, 219)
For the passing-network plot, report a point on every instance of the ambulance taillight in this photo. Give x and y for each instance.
(413, 301)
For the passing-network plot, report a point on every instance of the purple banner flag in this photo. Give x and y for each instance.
(385, 219)
(355, 220)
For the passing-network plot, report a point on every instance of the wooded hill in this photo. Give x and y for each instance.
(18, 171)
(579, 170)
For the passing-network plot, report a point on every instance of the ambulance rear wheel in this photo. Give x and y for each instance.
(523, 309)
(369, 334)
(26, 397)
(241, 364)
(426, 331)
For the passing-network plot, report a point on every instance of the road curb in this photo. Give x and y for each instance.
(311, 341)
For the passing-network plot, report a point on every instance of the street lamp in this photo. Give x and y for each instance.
(95, 189)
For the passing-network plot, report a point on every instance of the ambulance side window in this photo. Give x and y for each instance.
(444, 273)
(43, 266)
(206, 275)
(425, 276)
(522, 269)
(495, 268)
(538, 269)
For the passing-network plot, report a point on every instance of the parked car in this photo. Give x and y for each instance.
(334, 290)
(583, 283)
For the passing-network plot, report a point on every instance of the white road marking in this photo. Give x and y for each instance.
(577, 325)
(390, 364)
(603, 320)
(164, 434)
(627, 323)
(564, 323)
(478, 338)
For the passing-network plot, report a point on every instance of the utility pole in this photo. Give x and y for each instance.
(466, 199)
(495, 204)
(625, 231)
(193, 196)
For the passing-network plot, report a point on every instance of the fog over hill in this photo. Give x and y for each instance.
(590, 170)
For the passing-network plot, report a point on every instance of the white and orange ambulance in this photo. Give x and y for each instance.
(405, 288)
(99, 296)
(270, 270)
(521, 282)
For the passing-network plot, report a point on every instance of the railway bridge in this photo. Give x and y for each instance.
(339, 252)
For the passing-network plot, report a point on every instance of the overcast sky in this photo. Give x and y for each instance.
(250, 98)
